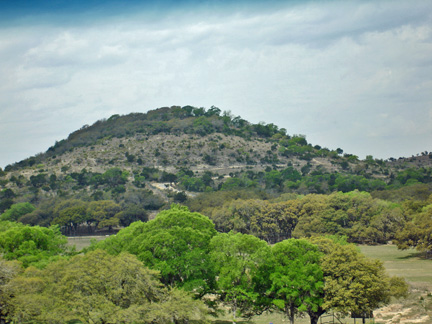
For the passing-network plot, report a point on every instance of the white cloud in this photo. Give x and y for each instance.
(329, 70)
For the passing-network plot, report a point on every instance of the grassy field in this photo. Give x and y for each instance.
(81, 242)
(408, 264)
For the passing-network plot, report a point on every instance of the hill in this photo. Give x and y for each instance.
(173, 153)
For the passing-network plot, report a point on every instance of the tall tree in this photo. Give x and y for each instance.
(296, 280)
(237, 258)
(353, 283)
(176, 243)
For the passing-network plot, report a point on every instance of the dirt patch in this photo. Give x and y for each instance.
(400, 314)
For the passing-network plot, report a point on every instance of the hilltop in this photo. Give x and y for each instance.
(172, 154)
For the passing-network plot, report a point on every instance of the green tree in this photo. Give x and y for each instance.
(70, 214)
(277, 221)
(237, 257)
(104, 213)
(8, 271)
(16, 211)
(176, 243)
(98, 288)
(132, 213)
(114, 177)
(32, 245)
(39, 180)
(296, 279)
(353, 283)
(417, 233)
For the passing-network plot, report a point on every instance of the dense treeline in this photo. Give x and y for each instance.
(357, 215)
(177, 268)
(294, 276)
(75, 216)
(126, 187)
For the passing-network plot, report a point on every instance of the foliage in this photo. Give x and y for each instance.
(264, 162)
(411, 192)
(353, 283)
(237, 258)
(31, 245)
(16, 211)
(272, 222)
(417, 233)
(296, 278)
(8, 270)
(98, 288)
(356, 215)
(176, 243)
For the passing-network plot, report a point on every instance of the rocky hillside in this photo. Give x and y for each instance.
(187, 150)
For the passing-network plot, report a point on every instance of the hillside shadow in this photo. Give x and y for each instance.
(419, 255)
(230, 322)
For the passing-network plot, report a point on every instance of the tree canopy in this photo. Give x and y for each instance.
(176, 243)
(354, 283)
(296, 278)
(98, 288)
(237, 258)
(31, 245)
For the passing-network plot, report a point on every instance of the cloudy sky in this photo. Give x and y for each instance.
(350, 74)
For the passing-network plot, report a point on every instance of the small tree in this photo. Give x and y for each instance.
(16, 211)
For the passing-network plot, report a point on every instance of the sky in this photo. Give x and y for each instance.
(355, 75)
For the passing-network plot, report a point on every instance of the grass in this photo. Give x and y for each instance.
(81, 242)
(405, 263)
